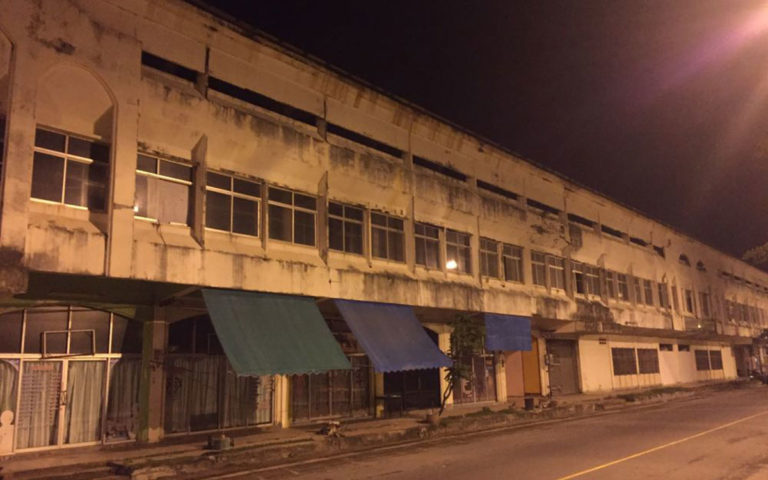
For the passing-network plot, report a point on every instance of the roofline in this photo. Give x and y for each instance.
(257, 35)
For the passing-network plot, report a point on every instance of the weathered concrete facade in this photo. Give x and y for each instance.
(175, 84)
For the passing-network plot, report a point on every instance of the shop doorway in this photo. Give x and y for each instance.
(563, 376)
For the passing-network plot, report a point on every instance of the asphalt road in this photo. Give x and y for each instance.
(722, 436)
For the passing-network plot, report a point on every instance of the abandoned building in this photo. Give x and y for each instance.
(202, 229)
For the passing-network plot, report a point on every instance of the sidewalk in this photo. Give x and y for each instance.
(188, 457)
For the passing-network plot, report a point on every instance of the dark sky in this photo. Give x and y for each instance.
(662, 105)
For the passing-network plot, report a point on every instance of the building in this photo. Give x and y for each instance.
(201, 229)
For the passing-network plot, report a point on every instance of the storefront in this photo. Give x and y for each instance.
(69, 375)
(202, 391)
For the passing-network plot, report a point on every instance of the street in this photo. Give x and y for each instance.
(722, 436)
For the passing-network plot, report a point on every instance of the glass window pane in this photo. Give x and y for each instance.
(10, 332)
(433, 254)
(218, 181)
(304, 228)
(76, 186)
(247, 188)
(378, 219)
(175, 170)
(97, 186)
(217, 210)
(396, 223)
(396, 247)
(379, 242)
(336, 209)
(282, 196)
(353, 213)
(47, 177)
(173, 202)
(49, 140)
(146, 164)
(245, 218)
(88, 149)
(141, 197)
(280, 223)
(304, 201)
(353, 237)
(90, 320)
(39, 321)
(335, 234)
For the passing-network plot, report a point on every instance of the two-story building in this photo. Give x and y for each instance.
(202, 229)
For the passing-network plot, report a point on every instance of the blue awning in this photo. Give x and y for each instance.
(265, 333)
(391, 336)
(505, 333)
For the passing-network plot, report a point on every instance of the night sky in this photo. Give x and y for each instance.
(661, 105)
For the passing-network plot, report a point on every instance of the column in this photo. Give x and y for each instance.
(152, 378)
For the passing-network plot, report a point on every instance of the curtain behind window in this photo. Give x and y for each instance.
(85, 384)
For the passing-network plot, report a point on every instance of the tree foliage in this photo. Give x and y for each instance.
(757, 255)
(467, 340)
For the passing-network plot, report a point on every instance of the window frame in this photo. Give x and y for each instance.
(344, 219)
(542, 265)
(66, 158)
(464, 248)
(293, 208)
(489, 257)
(516, 257)
(232, 195)
(388, 229)
(648, 292)
(427, 241)
(165, 178)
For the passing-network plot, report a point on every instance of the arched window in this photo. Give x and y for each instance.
(684, 260)
(72, 140)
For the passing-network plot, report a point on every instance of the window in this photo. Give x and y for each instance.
(232, 204)
(610, 284)
(387, 237)
(345, 228)
(292, 216)
(675, 301)
(702, 359)
(579, 284)
(665, 347)
(681, 347)
(700, 266)
(512, 261)
(705, 305)
(556, 272)
(592, 279)
(163, 190)
(489, 257)
(683, 259)
(637, 288)
(715, 360)
(648, 360)
(623, 289)
(539, 268)
(648, 292)
(427, 245)
(624, 362)
(458, 253)
(70, 170)
(690, 306)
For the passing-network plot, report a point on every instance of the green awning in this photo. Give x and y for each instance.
(265, 333)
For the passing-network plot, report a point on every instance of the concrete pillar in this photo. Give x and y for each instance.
(501, 376)
(378, 390)
(444, 343)
(282, 402)
(151, 388)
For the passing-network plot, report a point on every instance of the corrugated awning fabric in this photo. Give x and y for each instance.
(391, 336)
(265, 333)
(505, 333)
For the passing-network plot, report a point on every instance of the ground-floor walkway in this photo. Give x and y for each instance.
(258, 448)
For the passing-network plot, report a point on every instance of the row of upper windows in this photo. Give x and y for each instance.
(74, 171)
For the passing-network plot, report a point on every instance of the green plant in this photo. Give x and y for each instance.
(467, 339)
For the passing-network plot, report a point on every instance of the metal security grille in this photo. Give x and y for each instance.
(37, 424)
(624, 362)
(648, 360)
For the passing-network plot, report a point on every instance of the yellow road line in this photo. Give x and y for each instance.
(651, 450)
